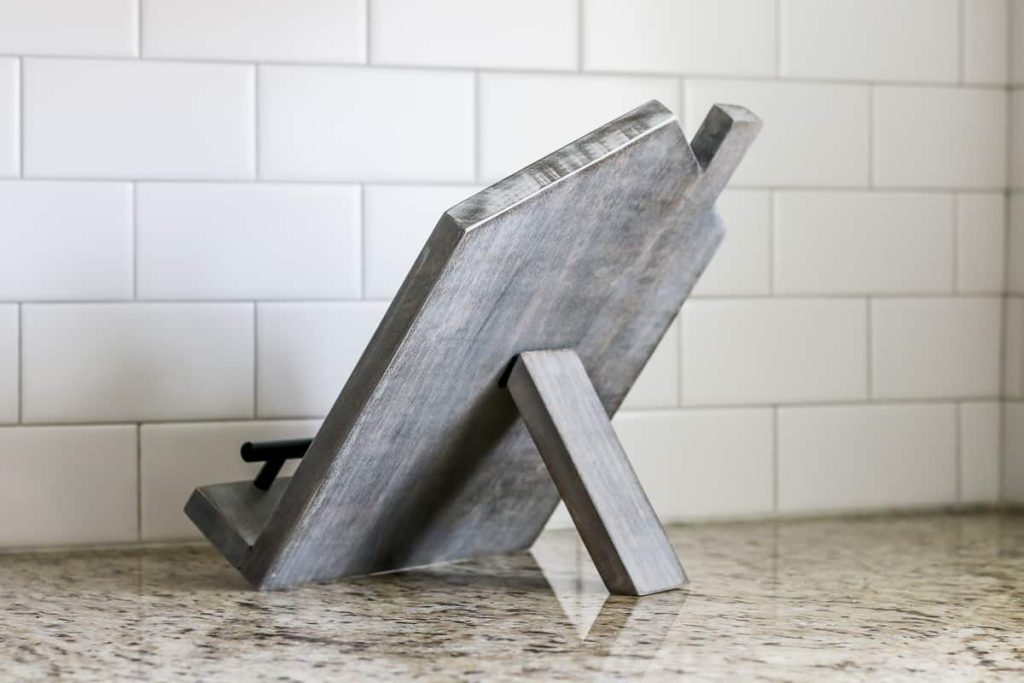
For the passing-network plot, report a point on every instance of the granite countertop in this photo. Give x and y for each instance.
(936, 596)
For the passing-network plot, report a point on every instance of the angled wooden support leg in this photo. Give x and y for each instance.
(572, 431)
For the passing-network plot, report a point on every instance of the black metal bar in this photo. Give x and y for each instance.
(273, 454)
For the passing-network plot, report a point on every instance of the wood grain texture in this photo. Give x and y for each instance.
(423, 458)
(590, 469)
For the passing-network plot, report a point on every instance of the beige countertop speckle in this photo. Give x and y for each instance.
(935, 596)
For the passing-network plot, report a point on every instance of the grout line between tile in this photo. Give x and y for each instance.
(362, 243)
(955, 275)
(958, 443)
(255, 360)
(778, 38)
(526, 71)
(21, 364)
(138, 27)
(775, 459)
(961, 37)
(868, 305)
(579, 35)
(21, 118)
(135, 241)
(256, 123)
(367, 5)
(138, 482)
(871, 138)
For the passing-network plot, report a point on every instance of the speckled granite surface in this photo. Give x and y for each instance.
(934, 597)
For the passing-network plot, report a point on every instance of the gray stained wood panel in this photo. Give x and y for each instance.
(574, 436)
(424, 458)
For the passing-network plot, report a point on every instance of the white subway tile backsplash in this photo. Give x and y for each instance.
(68, 485)
(136, 119)
(680, 36)
(986, 38)
(9, 388)
(901, 40)
(863, 242)
(78, 28)
(702, 463)
(296, 30)
(774, 351)
(870, 456)
(10, 118)
(939, 137)
(658, 383)
(66, 241)
(118, 362)
(306, 352)
(248, 241)
(526, 34)
(980, 465)
(742, 264)
(326, 123)
(176, 458)
(814, 134)
(398, 220)
(523, 117)
(935, 347)
(870, 254)
(980, 242)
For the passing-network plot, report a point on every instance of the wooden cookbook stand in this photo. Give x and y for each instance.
(485, 395)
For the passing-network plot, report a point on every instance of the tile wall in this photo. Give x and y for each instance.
(205, 206)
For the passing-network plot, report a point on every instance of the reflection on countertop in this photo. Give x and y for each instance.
(932, 596)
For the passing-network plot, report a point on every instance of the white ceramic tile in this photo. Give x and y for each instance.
(10, 126)
(66, 241)
(1017, 136)
(901, 40)
(980, 465)
(742, 264)
(861, 457)
(935, 347)
(774, 351)
(815, 134)
(68, 485)
(176, 458)
(1013, 440)
(524, 117)
(271, 30)
(526, 34)
(702, 463)
(8, 363)
(115, 362)
(729, 37)
(69, 27)
(1013, 348)
(985, 36)
(398, 221)
(248, 241)
(330, 123)
(132, 119)
(980, 242)
(658, 383)
(306, 352)
(939, 137)
(863, 242)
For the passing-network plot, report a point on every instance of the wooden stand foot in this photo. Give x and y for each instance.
(572, 431)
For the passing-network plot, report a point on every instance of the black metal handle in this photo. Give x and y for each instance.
(273, 454)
